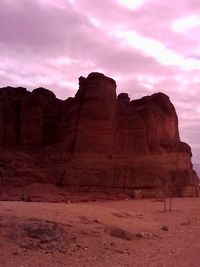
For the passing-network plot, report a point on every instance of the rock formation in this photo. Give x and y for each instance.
(96, 141)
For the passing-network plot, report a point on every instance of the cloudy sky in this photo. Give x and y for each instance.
(147, 46)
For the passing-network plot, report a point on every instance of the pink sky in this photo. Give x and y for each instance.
(147, 46)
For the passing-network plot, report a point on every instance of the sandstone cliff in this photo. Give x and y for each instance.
(96, 141)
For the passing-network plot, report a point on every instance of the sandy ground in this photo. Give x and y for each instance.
(100, 233)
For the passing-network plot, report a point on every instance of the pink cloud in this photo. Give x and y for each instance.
(51, 43)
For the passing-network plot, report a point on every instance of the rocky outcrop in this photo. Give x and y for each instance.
(96, 141)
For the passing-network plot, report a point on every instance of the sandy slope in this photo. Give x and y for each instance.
(109, 233)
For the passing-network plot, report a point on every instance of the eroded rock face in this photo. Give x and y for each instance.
(94, 141)
(97, 111)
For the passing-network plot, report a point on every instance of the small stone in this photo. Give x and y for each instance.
(139, 235)
(164, 228)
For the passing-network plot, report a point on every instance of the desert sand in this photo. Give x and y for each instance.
(100, 233)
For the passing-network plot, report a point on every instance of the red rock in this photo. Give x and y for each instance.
(97, 110)
(10, 102)
(95, 141)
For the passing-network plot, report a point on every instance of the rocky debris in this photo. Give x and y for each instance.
(94, 142)
(36, 234)
(41, 231)
(118, 232)
(122, 214)
(146, 235)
